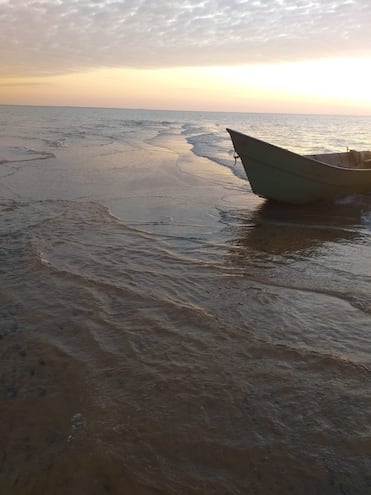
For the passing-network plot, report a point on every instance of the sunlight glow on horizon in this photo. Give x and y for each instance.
(325, 86)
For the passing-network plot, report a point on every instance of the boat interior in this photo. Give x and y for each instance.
(348, 159)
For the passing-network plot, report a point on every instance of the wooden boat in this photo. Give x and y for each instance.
(281, 175)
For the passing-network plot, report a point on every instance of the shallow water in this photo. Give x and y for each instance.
(165, 331)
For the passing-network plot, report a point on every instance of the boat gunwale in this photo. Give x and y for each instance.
(308, 158)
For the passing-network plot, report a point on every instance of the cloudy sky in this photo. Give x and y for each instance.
(249, 47)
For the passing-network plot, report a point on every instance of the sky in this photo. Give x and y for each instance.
(306, 56)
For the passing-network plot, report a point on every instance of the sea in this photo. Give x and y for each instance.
(164, 331)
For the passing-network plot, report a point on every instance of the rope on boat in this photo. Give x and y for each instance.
(236, 157)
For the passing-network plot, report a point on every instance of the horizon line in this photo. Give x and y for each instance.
(182, 110)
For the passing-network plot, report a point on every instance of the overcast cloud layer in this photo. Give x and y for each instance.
(60, 36)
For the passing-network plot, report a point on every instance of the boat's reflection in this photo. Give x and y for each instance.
(281, 229)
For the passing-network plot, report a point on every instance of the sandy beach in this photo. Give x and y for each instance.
(163, 330)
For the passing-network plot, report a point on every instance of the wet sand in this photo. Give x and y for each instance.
(163, 331)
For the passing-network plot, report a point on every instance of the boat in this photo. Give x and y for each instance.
(281, 175)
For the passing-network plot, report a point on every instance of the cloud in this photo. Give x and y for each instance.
(46, 37)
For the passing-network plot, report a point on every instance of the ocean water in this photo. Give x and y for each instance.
(165, 331)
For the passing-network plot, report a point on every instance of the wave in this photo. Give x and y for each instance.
(23, 154)
(216, 147)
